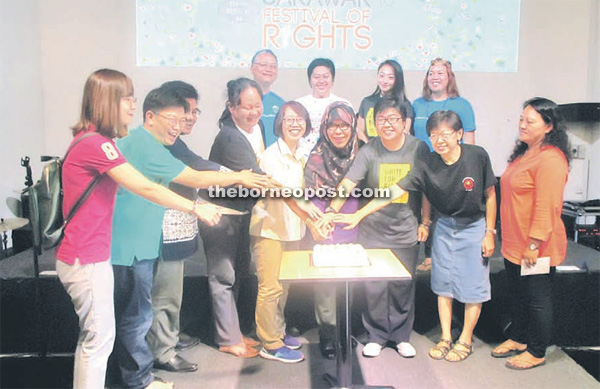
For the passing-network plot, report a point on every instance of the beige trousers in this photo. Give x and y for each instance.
(272, 295)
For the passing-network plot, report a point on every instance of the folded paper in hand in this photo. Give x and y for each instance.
(542, 266)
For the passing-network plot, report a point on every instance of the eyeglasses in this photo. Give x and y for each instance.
(444, 136)
(391, 119)
(265, 65)
(173, 121)
(334, 127)
(195, 113)
(130, 99)
(290, 121)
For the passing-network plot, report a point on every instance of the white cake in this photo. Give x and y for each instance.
(339, 255)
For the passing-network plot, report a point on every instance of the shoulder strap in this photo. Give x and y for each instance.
(87, 134)
(89, 188)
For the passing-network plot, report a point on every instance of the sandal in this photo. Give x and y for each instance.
(249, 342)
(425, 266)
(460, 354)
(524, 364)
(239, 350)
(443, 347)
(507, 349)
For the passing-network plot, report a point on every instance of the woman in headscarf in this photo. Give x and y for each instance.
(327, 164)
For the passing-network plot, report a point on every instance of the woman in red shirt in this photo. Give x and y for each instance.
(532, 190)
(83, 257)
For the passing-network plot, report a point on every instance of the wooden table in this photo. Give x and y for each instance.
(296, 266)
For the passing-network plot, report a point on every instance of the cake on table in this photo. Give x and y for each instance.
(339, 255)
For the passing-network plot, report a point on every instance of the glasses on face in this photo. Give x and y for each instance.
(195, 113)
(290, 121)
(129, 99)
(264, 65)
(443, 136)
(390, 119)
(172, 121)
(334, 127)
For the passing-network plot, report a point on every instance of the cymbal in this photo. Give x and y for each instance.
(12, 224)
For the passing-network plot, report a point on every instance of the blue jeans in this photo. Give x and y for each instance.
(133, 315)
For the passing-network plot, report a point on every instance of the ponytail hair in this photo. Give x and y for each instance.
(234, 93)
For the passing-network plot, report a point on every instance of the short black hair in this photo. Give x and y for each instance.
(321, 62)
(449, 118)
(391, 102)
(161, 98)
(186, 90)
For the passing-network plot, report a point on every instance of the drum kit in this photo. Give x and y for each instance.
(9, 225)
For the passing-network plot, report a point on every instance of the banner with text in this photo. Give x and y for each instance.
(476, 35)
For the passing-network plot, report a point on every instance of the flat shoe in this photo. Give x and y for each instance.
(239, 350)
(327, 347)
(177, 364)
(186, 342)
(425, 266)
(249, 341)
(509, 353)
(527, 367)
(461, 354)
(443, 347)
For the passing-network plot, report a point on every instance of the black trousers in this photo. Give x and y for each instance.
(390, 311)
(530, 305)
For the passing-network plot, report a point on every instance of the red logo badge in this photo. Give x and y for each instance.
(468, 183)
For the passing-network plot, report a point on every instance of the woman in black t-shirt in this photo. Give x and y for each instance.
(390, 83)
(459, 182)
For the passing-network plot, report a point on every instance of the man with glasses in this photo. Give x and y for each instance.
(136, 234)
(180, 241)
(264, 71)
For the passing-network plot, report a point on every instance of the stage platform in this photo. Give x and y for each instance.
(577, 318)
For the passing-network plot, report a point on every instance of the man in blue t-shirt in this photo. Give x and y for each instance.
(264, 71)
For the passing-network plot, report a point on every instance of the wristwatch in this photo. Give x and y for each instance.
(533, 247)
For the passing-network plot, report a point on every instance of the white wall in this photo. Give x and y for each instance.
(594, 95)
(50, 47)
(21, 105)
(553, 62)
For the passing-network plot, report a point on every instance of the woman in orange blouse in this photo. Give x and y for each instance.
(532, 195)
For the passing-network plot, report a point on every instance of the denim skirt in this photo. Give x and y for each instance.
(458, 269)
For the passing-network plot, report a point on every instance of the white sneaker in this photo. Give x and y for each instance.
(406, 350)
(372, 350)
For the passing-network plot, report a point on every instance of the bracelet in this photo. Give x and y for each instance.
(330, 210)
(425, 225)
(492, 230)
